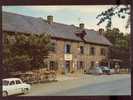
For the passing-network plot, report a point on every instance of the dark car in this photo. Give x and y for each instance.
(95, 71)
(106, 70)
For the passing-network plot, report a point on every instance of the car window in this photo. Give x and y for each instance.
(18, 82)
(106, 68)
(5, 82)
(12, 83)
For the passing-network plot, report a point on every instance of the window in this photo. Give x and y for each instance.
(4, 82)
(18, 82)
(92, 51)
(12, 83)
(103, 52)
(80, 64)
(92, 64)
(53, 47)
(81, 49)
(53, 65)
(67, 48)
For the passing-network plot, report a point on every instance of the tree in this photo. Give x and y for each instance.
(122, 12)
(117, 38)
(120, 48)
(117, 10)
(26, 52)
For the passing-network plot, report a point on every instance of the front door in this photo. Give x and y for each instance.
(12, 88)
(67, 66)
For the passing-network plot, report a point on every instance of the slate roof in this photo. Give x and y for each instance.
(27, 24)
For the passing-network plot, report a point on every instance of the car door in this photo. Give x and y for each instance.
(18, 86)
(12, 88)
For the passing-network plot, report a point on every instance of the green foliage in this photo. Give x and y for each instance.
(117, 11)
(117, 38)
(26, 52)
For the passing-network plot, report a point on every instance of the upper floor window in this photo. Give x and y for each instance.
(67, 48)
(53, 47)
(92, 51)
(103, 51)
(81, 49)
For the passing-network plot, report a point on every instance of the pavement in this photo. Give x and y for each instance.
(90, 77)
(116, 87)
(116, 84)
(69, 77)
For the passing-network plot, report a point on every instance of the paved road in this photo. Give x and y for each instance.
(88, 85)
(117, 87)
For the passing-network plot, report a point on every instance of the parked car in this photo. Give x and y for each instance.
(96, 71)
(11, 86)
(106, 70)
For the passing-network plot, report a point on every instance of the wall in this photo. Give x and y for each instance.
(58, 55)
(76, 56)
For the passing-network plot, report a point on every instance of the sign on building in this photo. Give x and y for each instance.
(68, 56)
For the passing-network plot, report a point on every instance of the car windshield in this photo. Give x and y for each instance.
(98, 68)
(5, 82)
(106, 68)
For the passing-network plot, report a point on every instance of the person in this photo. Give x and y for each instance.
(97, 64)
(117, 66)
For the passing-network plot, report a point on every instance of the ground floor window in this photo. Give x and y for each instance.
(92, 64)
(80, 64)
(53, 65)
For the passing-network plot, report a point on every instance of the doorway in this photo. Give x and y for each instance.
(67, 66)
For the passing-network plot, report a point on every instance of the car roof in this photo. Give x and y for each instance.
(9, 79)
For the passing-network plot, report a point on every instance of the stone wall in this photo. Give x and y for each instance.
(58, 55)
(76, 56)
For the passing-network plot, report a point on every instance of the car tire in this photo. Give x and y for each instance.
(25, 90)
(4, 93)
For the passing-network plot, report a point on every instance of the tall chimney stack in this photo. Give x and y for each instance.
(50, 19)
(81, 25)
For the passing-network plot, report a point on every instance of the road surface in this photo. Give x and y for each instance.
(88, 85)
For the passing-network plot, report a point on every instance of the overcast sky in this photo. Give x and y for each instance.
(70, 15)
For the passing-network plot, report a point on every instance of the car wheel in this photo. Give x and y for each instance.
(4, 93)
(25, 91)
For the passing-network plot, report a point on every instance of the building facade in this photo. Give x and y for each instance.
(75, 48)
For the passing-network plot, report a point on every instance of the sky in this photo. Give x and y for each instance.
(70, 15)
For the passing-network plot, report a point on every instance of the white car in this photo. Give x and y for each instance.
(11, 86)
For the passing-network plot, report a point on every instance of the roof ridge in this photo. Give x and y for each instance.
(44, 19)
(20, 14)
(57, 29)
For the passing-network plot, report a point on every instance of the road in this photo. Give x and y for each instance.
(87, 85)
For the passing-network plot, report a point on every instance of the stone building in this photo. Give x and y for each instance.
(76, 48)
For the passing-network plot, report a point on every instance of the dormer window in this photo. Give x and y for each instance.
(81, 34)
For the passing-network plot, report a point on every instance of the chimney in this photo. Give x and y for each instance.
(81, 25)
(101, 31)
(50, 19)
